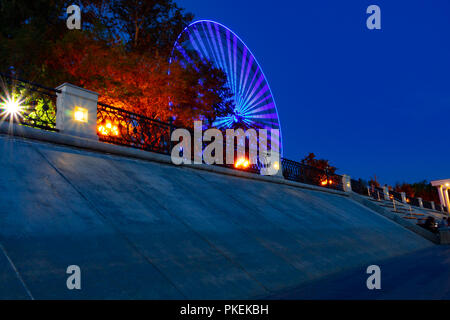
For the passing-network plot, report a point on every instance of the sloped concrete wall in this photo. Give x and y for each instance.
(147, 230)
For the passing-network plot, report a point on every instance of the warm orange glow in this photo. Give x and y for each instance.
(80, 114)
(242, 163)
(325, 182)
(276, 166)
(108, 130)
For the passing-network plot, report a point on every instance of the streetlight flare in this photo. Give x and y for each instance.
(11, 107)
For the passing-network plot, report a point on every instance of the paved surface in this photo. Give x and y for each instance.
(144, 230)
(424, 274)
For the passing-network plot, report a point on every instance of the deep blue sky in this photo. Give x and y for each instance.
(373, 102)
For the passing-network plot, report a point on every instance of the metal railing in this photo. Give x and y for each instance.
(296, 171)
(121, 127)
(27, 103)
(126, 128)
(414, 202)
(427, 204)
(359, 187)
(396, 195)
(376, 193)
(35, 106)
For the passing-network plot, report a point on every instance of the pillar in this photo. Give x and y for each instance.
(441, 195)
(420, 202)
(386, 193)
(272, 165)
(404, 197)
(446, 198)
(347, 183)
(77, 111)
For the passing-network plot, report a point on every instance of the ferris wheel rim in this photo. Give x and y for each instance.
(176, 43)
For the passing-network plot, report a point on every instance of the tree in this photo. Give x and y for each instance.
(318, 171)
(27, 31)
(144, 26)
(422, 189)
(374, 181)
(321, 164)
(122, 52)
(202, 90)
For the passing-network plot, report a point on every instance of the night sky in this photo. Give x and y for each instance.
(371, 101)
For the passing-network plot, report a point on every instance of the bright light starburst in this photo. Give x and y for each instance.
(11, 108)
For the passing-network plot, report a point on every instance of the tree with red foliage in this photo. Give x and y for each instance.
(318, 171)
(422, 189)
(374, 182)
(122, 53)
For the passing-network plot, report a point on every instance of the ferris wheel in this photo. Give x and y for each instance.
(255, 105)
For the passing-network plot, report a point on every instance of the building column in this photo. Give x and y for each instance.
(441, 195)
(446, 198)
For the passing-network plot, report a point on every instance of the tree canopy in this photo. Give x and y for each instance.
(122, 52)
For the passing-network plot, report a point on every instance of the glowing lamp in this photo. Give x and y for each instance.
(11, 107)
(242, 163)
(80, 114)
(276, 165)
(108, 129)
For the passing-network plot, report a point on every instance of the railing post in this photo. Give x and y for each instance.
(420, 202)
(433, 206)
(404, 197)
(77, 111)
(386, 193)
(347, 183)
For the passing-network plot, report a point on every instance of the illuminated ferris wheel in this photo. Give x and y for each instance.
(254, 103)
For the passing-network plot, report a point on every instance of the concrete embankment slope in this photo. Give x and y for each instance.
(140, 229)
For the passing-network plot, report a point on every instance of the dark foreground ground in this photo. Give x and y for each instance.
(148, 230)
(424, 274)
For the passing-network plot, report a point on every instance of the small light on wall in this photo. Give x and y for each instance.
(80, 114)
(276, 165)
(242, 163)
